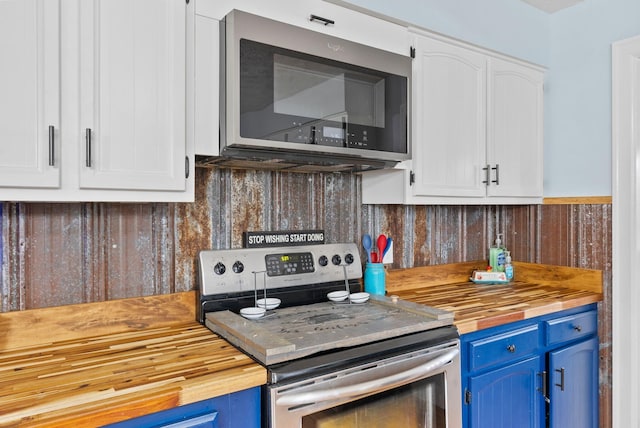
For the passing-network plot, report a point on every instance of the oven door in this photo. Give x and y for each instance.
(419, 389)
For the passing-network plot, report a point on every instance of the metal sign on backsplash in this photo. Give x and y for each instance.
(282, 238)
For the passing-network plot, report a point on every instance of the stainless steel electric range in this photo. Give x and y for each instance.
(383, 362)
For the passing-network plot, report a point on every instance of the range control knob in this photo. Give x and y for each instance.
(323, 260)
(336, 260)
(238, 267)
(348, 258)
(219, 268)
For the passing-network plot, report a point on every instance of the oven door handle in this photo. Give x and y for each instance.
(369, 387)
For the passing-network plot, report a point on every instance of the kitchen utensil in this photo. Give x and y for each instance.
(366, 243)
(381, 243)
(374, 257)
(387, 247)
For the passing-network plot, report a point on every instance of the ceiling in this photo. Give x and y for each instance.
(552, 5)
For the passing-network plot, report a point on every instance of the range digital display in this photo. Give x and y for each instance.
(289, 263)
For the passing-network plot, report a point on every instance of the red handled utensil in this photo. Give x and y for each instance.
(381, 243)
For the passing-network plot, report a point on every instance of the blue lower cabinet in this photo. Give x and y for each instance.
(507, 397)
(541, 372)
(238, 410)
(573, 390)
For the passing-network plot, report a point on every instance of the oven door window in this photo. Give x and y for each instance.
(421, 405)
(298, 98)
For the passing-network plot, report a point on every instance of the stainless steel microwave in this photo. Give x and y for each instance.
(304, 99)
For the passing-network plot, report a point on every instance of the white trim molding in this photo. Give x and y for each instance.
(626, 230)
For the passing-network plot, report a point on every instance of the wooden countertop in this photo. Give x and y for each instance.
(538, 290)
(93, 364)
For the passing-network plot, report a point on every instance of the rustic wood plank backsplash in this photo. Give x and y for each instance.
(59, 254)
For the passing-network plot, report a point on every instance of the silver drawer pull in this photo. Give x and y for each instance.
(577, 328)
(511, 348)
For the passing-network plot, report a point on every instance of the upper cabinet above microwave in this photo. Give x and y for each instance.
(318, 15)
(477, 130)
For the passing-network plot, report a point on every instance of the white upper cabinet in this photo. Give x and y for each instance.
(514, 130)
(449, 119)
(331, 19)
(95, 109)
(477, 125)
(30, 93)
(132, 92)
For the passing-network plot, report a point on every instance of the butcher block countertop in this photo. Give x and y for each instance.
(97, 363)
(537, 290)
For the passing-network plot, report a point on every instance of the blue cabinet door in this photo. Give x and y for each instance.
(238, 410)
(507, 397)
(573, 386)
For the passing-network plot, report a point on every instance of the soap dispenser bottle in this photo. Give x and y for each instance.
(508, 267)
(496, 255)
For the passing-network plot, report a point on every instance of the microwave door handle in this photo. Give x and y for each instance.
(369, 387)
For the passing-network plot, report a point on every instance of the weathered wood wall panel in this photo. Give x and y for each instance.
(60, 254)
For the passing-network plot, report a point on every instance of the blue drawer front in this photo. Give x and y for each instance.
(571, 327)
(504, 347)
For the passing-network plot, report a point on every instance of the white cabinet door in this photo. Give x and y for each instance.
(449, 120)
(515, 140)
(132, 94)
(477, 130)
(343, 22)
(29, 93)
(206, 85)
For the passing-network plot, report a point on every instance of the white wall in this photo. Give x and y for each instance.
(578, 103)
(574, 44)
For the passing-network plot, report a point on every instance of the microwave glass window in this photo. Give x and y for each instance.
(300, 89)
(295, 97)
(321, 91)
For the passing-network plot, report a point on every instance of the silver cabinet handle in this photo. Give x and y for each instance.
(497, 170)
(88, 147)
(372, 386)
(52, 157)
(561, 384)
(543, 389)
(325, 21)
(486, 175)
